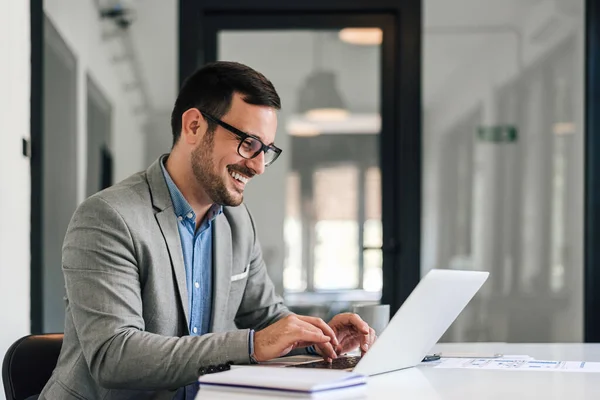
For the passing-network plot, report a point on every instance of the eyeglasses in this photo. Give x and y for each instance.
(250, 146)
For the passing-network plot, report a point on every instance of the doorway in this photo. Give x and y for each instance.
(205, 28)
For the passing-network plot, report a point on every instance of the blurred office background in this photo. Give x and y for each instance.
(502, 162)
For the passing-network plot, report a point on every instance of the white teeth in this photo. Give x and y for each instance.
(238, 177)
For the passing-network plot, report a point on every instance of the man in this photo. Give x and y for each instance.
(164, 274)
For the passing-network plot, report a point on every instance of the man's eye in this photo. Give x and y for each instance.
(247, 144)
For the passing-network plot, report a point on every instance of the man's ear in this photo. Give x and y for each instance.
(194, 126)
(191, 126)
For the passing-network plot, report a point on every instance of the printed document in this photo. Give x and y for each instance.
(518, 364)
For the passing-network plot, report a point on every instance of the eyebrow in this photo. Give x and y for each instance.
(257, 137)
(251, 135)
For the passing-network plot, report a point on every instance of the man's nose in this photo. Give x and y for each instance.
(257, 164)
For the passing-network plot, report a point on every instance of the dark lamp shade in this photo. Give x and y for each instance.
(320, 99)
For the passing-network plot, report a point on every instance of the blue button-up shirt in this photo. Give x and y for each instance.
(197, 257)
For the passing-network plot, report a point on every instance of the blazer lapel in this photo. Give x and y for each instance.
(222, 259)
(168, 226)
(161, 199)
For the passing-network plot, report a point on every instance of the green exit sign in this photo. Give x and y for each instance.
(498, 133)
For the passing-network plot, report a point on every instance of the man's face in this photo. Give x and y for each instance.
(217, 166)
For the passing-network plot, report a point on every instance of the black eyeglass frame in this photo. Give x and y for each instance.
(243, 136)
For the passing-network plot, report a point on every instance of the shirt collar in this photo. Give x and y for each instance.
(181, 207)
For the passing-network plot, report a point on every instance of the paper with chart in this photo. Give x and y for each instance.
(518, 364)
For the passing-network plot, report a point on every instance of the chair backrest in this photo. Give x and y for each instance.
(28, 364)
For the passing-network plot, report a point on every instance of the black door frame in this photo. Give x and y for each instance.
(214, 24)
(400, 147)
(36, 164)
(591, 307)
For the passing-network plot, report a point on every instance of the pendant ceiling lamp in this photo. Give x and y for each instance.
(319, 97)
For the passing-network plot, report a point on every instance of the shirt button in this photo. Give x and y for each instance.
(180, 218)
(197, 285)
(190, 215)
(195, 330)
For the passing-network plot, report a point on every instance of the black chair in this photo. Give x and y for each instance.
(28, 364)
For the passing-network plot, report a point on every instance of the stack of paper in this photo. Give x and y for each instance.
(519, 364)
(297, 382)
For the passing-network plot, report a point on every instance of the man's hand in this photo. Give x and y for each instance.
(351, 332)
(292, 332)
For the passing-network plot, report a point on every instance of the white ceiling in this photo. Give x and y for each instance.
(154, 35)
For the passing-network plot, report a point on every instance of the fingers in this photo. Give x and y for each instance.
(372, 336)
(311, 336)
(360, 325)
(364, 344)
(307, 332)
(367, 341)
(324, 349)
(280, 338)
(352, 331)
(353, 320)
(352, 324)
(363, 328)
(327, 351)
(319, 323)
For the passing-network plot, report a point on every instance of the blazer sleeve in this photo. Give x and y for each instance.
(104, 298)
(260, 306)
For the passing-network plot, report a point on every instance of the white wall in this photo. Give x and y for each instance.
(14, 173)
(155, 37)
(79, 24)
(158, 135)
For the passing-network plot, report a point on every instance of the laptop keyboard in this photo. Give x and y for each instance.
(338, 363)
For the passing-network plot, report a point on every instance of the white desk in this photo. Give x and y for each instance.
(427, 383)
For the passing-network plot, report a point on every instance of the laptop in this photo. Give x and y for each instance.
(417, 326)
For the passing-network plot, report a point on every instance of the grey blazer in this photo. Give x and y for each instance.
(126, 322)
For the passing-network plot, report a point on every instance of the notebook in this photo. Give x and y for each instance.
(285, 382)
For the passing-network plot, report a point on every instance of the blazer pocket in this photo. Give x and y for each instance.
(242, 275)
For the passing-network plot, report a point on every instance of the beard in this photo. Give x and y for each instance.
(213, 184)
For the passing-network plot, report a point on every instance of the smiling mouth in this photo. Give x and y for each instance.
(239, 177)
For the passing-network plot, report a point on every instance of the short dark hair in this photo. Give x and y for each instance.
(211, 90)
